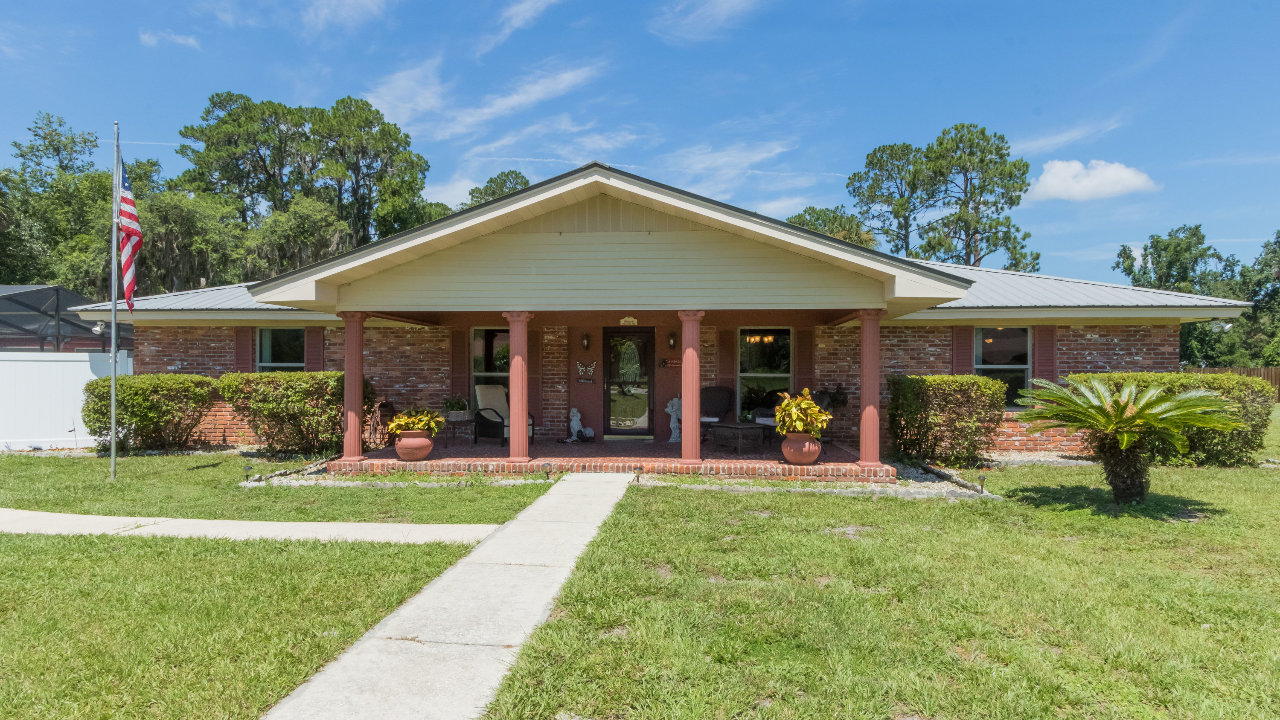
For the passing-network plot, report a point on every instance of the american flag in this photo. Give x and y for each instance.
(130, 238)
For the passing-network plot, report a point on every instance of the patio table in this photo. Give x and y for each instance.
(738, 436)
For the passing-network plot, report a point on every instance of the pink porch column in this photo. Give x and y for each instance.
(518, 328)
(690, 388)
(353, 385)
(869, 428)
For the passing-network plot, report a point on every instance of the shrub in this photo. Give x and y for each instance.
(292, 411)
(153, 412)
(1121, 425)
(952, 419)
(1253, 397)
(800, 414)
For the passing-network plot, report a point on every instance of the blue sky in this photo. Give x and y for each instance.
(1135, 117)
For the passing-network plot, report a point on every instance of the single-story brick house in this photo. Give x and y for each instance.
(559, 290)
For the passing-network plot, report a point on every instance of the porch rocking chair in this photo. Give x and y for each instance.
(493, 418)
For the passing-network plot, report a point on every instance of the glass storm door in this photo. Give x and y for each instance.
(628, 381)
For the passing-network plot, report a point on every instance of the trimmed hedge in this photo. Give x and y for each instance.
(952, 419)
(1253, 396)
(292, 411)
(157, 411)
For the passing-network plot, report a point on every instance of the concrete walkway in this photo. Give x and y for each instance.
(47, 523)
(443, 653)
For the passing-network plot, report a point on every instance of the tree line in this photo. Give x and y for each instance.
(270, 188)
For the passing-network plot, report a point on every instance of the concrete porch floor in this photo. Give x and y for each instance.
(487, 456)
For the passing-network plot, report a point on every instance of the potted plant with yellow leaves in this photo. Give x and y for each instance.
(801, 422)
(414, 429)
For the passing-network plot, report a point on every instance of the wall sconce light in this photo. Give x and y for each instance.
(586, 341)
(671, 340)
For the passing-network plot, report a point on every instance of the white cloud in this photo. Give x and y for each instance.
(1056, 140)
(418, 99)
(410, 93)
(151, 39)
(697, 20)
(783, 207)
(516, 16)
(1073, 180)
(718, 173)
(453, 191)
(320, 14)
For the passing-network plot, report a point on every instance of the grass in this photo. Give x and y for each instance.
(160, 628)
(207, 486)
(1271, 446)
(1053, 604)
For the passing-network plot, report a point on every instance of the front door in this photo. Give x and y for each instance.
(628, 381)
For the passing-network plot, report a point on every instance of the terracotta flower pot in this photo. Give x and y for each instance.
(414, 445)
(801, 448)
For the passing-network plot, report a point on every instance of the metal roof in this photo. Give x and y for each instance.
(1000, 289)
(991, 289)
(11, 289)
(222, 297)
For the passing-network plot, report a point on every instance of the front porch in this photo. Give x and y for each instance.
(837, 462)
(547, 364)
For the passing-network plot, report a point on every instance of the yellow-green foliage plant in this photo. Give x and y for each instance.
(800, 414)
(416, 419)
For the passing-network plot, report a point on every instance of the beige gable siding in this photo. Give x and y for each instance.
(700, 269)
(604, 213)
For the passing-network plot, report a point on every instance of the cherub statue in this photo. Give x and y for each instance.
(575, 425)
(673, 409)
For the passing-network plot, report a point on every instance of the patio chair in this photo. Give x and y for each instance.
(493, 418)
(716, 404)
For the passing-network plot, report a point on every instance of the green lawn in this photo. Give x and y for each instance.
(95, 627)
(1052, 604)
(1271, 449)
(206, 486)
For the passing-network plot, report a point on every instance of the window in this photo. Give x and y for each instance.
(280, 349)
(490, 357)
(764, 366)
(1004, 354)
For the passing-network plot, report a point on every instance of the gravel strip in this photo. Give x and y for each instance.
(924, 486)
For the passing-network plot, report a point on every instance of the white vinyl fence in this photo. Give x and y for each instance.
(41, 394)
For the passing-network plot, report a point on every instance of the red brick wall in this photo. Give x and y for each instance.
(1117, 348)
(408, 366)
(207, 351)
(1095, 348)
(553, 422)
(708, 356)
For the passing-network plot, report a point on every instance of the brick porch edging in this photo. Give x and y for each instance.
(739, 468)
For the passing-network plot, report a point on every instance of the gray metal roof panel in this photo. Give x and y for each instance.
(993, 288)
(222, 297)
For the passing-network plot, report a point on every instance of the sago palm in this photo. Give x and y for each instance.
(1119, 425)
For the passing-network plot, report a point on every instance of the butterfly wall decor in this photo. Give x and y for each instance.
(587, 369)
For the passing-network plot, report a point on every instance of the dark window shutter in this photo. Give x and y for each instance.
(1044, 352)
(313, 349)
(962, 350)
(244, 349)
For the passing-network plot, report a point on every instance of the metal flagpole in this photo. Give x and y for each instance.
(115, 281)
